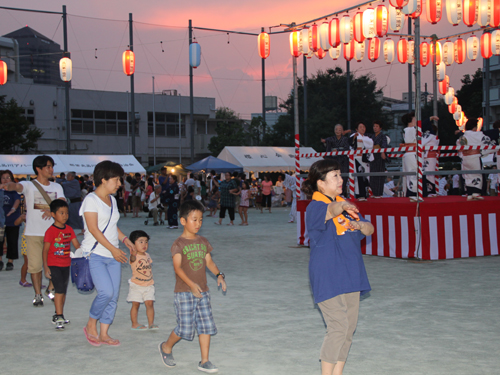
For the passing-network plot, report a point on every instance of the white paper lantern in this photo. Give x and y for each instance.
(369, 30)
(448, 53)
(472, 47)
(458, 113)
(411, 52)
(441, 71)
(323, 36)
(411, 7)
(495, 42)
(484, 12)
(388, 50)
(359, 51)
(335, 52)
(304, 36)
(396, 19)
(66, 69)
(454, 11)
(345, 29)
(448, 98)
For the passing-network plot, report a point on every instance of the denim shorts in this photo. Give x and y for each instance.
(191, 313)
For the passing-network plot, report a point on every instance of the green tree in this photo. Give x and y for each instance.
(256, 130)
(326, 98)
(16, 132)
(229, 130)
(470, 95)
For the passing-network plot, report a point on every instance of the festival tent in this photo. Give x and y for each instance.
(267, 159)
(212, 163)
(23, 164)
(169, 165)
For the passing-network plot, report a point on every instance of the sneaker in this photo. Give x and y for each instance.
(38, 300)
(168, 359)
(56, 317)
(9, 266)
(50, 293)
(208, 367)
(59, 324)
(65, 321)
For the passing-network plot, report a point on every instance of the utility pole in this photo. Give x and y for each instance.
(305, 99)
(263, 94)
(66, 84)
(132, 101)
(191, 105)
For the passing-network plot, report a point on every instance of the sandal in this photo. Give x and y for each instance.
(94, 341)
(230, 224)
(217, 223)
(140, 328)
(154, 327)
(111, 342)
(25, 284)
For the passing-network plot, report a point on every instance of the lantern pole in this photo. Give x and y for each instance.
(67, 83)
(263, 94)
(410, 93)
(191, 105)
(348, 76)
(132, 101)
(305, 100)
(154, 124)
(486, 88)
(434, 81)
(418, 117)
(296, 125)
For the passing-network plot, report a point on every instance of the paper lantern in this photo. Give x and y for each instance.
(449, 96)
(320, 53)
(437, 55)
(310, 54)
(324, 44)
(369, 23)
(484, 13)
(349, 50)
(357, 26)
(396, 19)
(3, 72)
(472, 47)
(194, 54)
(295, 43)
(470, 12)
(457, 115)
(448, 53)
(443, 85)
(128, 61)
(359, 51)
(382, 20)
(264, 45)
(434, 11)
(402, 48)
(453, 106)
(479, 123)
(335, 52)
(411, 52)
(495, 13)
(313, 38)
(345, 29)
(334, 32)
(418, 12)
(304, 37)
(398, 3)
(440, 71)
(66, 69)
(425, 56)
(454, 11)
(495, 42)
(486, 45)
(410, 8)
(388, 50)
(374, 49)
(460, 50)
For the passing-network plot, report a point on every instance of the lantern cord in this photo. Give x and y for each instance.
(242, 72)
(224, 31)
(186, 34)
(407, 35)
(143, 48)
(469, 32)
(161, 45)
(125, 32)
(213, 81)
(95, 53)
(30, 10)
(57, 28)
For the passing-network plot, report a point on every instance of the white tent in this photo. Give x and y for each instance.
(266, 159)
(81, 164)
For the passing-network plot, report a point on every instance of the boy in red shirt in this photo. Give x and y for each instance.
(56, 257)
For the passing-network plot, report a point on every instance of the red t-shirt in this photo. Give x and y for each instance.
(60, 245)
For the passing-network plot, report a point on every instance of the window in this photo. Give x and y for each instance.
(167, 124)
(99, 122)
(29, 114)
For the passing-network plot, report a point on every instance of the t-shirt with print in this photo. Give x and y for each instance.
(193, 252)
(60, 245)
(142, 271)
(35, 203)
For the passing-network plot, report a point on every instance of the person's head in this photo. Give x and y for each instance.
(129, 179)
(107, 174)
(140, 239)
(163, 171)
(62, 176)
(280, 178)
(377, 127)
(339, 129)
(496, 124)
(138, 176)
(190, 189)
(324, 176)
(71, 176)
(59, 211)
(191, 216)
(212, 172)
(409, 119)
(389, 178)
(151, 181)
(43, 166)
(6, 176)
(172, 178)
(471, 124)
(266, 177)
(244, 185)
(236, 174)
(361, 128)
(228, 176)
(157, 189)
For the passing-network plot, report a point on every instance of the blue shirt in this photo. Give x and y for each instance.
(9, 198)
(2, 214)
(336, 265)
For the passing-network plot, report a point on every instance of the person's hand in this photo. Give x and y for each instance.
(48, 275)
(323, 140)
(130, 246)
(196, 290)
(351, 209)
(346, 131)
(222, 283)
(119, 255)
(383, 156)
(12, 210)
(432, 118)
(46, 214)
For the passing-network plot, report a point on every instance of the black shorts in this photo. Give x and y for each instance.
(60, 278)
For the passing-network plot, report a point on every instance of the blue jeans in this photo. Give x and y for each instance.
(106, 275)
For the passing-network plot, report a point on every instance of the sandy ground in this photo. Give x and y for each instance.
(420, 317)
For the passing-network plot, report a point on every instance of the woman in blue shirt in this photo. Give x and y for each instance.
(336, 269)
(11, 211)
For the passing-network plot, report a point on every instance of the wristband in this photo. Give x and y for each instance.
(124, 238)
(221, 274)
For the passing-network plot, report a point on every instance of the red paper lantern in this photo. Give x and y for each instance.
(453, 106)
(434, 11)
(418, 12)
(382, 20)
(374, 49)
(349, 50)
(128, 62)
(313, 38)
(437, 56)
(402, 50)
(470, 12)
(486, 45)
(358, 27)
(460, 50)
(425, 55)
(444, 85)
(495, 13)
(334, 32)
(398, 3)
(295, 43)
(264, 45)
(320, 53)
(3, 72)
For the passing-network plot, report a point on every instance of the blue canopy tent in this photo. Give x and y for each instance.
(212, 163)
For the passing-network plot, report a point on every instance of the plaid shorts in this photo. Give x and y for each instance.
(2, 233)
(193, 313)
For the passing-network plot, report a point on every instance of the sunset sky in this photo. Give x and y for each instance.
(229, 72)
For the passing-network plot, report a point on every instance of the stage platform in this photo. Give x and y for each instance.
(437, 228)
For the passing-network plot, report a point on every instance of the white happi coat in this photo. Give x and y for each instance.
(430, 163)
(290, 183)
(473, 162)
(410, 160)
(364, 143)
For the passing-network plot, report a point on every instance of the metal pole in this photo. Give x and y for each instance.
(191, 116)
(434, 84)
(180, 145)
(486, 88)
(132, 101)
(305, 99)
(348, 76)
(154, 124)
(128, 127)
(410, 93)
(296, 126)
(66, 84)
(418, 116)
(263, 93)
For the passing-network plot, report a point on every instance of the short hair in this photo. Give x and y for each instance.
(174, 177)
(471, 124)
(107, 170)
(212, 172)
(318, 171)
(41, 161)
(335, 127)
(56, 204)
(9, 173)
(360, 123)
(136, 234)
(379, 123)
(71, 174)
(189, 206)
(406, 119)
(157, 187)
(496, 124)
(137, 174)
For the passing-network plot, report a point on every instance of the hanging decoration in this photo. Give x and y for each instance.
(411, 52)
(453, 106)
(374, 49)
(444, 85)
(495, 42)
(434, 11)
(424, 53)
(349, 50)
(486, 45)
(457, 115)
(334, 32)
(264, 45)
(357, 25)
(479, 123)
(436, 55)
(369, 23)
(128, 61)
(66, 69)
(382, 20)
(304, 37)
(324, 43)
(396, 19)
(470, 12)
(345, 29)
(450, 95)
(454, 11)
(335, 52)
(484, 13)
(295, 43)
(194, 54)
(310, 54)
(399, 4)
(388, 50)
(402, 50)
(495, 13)
(460, 50)
(410, 8)
(359, 51)
(313, 38)
(440, 71)
(448, 52)
(320, 53)
(418, 12)
(472, 47)
(3, 72)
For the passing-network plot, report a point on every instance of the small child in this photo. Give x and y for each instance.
(244, 203)
(141, 284)
(214, 201)
(191, 256)
(56, 257)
